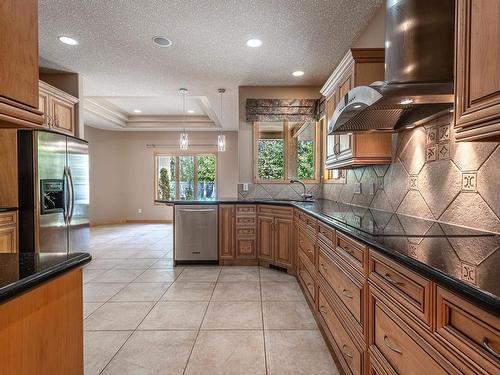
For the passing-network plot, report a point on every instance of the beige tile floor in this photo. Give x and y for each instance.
(143, 316)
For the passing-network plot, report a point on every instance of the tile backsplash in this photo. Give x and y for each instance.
(431, 176)
(277, 191)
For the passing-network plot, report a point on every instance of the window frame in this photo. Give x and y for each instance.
(287, 156)
(177, 155)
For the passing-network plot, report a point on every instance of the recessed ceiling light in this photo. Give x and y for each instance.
(298, 73)
(137, 111)
(254, 43)
(68, 40)
(357, 106)
(161, 41)
(190, 111)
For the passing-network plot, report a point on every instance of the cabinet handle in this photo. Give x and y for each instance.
(309, 285)
(323, 310)
(346, 353)
(388, 344)
(310, 251)
(487, 346)
(323, 267)
(347, 293)
(347, 250)
(392, 281)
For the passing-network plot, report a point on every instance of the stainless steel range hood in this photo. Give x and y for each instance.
(418, 82)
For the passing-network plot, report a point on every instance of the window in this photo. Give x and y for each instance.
(286, 150)
(185, 177)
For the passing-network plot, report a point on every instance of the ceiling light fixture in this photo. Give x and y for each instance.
(161, 41)
(254, 43)
(190, 111)
(298, 73)
(184, 138)
(221, 138)
(137, 111)
(67, 40)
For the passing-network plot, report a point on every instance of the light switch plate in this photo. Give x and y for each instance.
(245, 187)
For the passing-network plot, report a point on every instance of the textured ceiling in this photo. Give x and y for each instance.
(116, 56)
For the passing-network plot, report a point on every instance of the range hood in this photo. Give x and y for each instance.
(418, 84)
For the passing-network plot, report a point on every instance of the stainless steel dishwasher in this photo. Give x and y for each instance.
(196, 234)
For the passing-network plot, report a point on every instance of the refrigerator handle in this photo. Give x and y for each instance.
(66, 195)
(72, 195)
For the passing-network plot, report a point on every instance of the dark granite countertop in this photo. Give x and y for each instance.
(462, 259)
(7, 209)
(22, 271)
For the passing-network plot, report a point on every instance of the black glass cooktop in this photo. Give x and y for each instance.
(379, 223)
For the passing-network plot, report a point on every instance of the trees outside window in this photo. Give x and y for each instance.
(185, 177)
(286, 150)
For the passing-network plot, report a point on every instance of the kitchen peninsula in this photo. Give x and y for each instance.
(41, 322)
(379, 283)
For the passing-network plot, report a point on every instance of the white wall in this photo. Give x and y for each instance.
(122, 171)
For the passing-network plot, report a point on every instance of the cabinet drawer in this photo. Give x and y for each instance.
(326, 234)
(351, 355)
(245, 231)
(472, 332)
(307, 280)
(8, 218)
(343, 284)
(307, 246)
(275, 210)
(245, 220)
(407, 287)
(245, 209)
(398, 347)
(308, 222)
(352, 251)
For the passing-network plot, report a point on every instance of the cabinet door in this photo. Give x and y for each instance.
(283, 242)
(226, 231)
(477, 69)
(43, 105)
(19, 46)
(343, 142)
(245, 248)
(63, 115)
(265, 237)
(8, 239)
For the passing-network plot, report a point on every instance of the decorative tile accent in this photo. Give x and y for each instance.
(444, 133)
(431, 136)
(431, 153)
(469, 181)
(380, 183)
(468, 272)
(444, 151)
(413, 250)
(413, 182)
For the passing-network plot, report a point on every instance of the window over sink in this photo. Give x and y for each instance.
(185, 177)
(286, 150)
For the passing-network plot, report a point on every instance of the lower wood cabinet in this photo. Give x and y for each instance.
(265, 238)
(8, 232)
(226, 231)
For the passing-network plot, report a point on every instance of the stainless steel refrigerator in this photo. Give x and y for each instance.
(53, 192)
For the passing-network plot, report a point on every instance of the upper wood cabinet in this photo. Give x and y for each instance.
(58, 108)
(477, 69)
(19, 64)
(359, 67)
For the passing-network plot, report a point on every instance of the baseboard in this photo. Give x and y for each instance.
(149, 221)
(115, 222)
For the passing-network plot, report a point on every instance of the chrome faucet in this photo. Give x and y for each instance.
(304, 195)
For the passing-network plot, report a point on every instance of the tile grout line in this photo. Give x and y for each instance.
(263, 327)
(201, 323)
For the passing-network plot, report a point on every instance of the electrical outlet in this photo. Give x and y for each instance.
(357, 188)
(139, 210)
(373, 188)
(245, 187)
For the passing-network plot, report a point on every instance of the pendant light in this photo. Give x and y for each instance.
(184, 139)
(221, 138)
